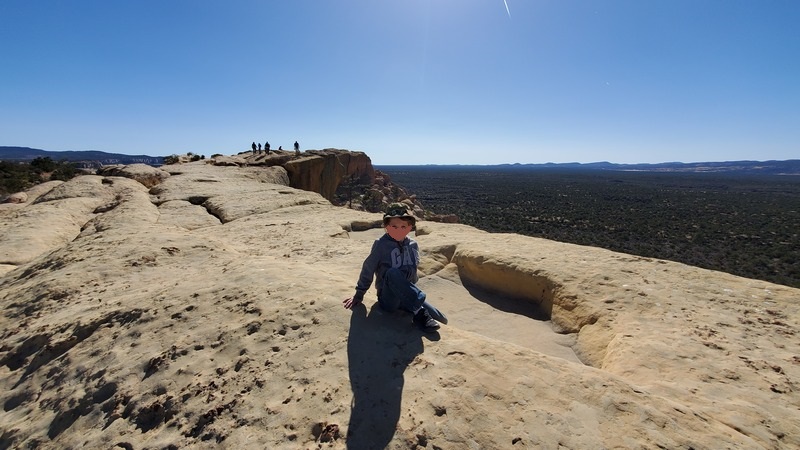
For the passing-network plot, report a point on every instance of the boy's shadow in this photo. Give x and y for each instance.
(379, 348)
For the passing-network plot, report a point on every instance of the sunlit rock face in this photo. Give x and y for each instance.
(322, 171)
(206, 311)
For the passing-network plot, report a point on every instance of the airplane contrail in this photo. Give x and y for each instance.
(506, 3)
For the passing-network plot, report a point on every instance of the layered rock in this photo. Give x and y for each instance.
(324, 170)
(206, 312)
(340, 176)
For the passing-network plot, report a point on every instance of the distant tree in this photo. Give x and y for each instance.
(43, 164)
(373, 200)
(349, 186)
(16, 177)
(64, 171)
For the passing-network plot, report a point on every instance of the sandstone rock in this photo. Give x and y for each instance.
(444, 218)
(18, 197)
(235, 161)
(364, 225)
(147, 325)
(41, 189)
(6, 268)
(54, 218)
(35, 192)
(229, 193)
(322, 171)
(275, 158)
(183, 214)
(149, 176)
(86, 186)
(41, 228)
(341, 176)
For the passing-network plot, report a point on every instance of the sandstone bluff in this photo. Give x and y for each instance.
(201, 308)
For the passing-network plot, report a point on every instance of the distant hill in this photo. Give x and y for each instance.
(788, 167)
(94, 158)
(89, 158)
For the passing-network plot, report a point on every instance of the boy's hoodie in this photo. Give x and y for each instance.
(387, 253)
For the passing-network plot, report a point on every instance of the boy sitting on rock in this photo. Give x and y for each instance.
(392, 262)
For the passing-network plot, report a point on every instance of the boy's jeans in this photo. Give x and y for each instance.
(400, 293)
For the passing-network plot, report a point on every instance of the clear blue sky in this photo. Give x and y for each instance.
(407, 81)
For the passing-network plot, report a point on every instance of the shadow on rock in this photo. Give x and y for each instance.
(379, 348)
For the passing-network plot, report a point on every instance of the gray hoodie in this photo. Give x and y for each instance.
(387, 253)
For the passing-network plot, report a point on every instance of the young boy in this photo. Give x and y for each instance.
(392, 262)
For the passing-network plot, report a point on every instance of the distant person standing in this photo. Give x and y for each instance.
(296, 148)
(266, 147)
(254, 147)
(259, 147)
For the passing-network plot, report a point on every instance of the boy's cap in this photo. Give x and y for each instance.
(398, 210)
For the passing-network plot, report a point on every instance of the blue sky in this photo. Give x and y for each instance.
(407, 81)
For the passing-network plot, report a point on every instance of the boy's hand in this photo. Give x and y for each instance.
(350, 302)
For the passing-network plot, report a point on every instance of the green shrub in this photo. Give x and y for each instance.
(17, 177)
(43, 164)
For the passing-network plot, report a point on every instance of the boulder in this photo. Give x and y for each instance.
(18, 197)
(149, 176)
(236, 161)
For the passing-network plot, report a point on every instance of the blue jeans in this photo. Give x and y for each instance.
(400, 293)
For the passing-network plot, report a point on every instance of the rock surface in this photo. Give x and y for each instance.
(19, 197)
(149, 176)
(205, 312)
(328, 172)
(322, 171)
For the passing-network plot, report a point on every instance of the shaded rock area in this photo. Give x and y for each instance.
(323, 171)
(205, 312)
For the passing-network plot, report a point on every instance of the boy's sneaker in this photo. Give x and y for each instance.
(424, 320)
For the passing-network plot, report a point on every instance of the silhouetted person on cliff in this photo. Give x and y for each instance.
(266, 147)
(259, 147)
(254, 147)
(296, 148)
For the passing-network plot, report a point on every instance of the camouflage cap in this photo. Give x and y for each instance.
(398, 210)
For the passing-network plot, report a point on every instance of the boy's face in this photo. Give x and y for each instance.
(398, 228)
